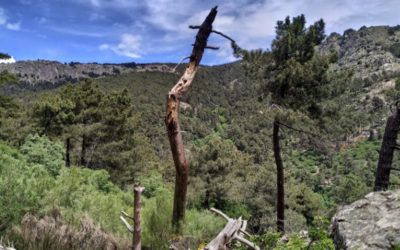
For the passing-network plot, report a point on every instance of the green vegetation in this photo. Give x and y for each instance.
(4, 56)
(395, 49)
(80, 148)
(8, 78)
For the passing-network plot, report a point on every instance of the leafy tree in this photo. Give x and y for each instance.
(219, 173)
(295, 78)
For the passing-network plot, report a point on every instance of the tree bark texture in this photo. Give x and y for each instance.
(172, 118)
(137, 230)
(388, 146)
(67, 152)
(83, 150)
(280, 196)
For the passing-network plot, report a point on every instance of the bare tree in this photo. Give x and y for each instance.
(280, 179)
(172, 117)
(389, 144)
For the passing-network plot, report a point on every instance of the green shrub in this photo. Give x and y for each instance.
(42, 151)
(395, 49)
(8, 78)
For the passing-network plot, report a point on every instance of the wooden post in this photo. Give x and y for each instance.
(172, 119)
(137, 230)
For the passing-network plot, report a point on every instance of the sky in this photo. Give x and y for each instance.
(117, 31)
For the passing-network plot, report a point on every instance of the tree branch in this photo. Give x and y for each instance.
(224, 36)
(127, 225)
(220, 213)
(297, 130)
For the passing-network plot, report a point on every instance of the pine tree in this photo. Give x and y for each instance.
(294, 77)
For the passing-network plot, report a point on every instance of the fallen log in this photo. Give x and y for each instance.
(235, 229)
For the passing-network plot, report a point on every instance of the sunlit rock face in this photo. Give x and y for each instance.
(370, 223)
(8, 60)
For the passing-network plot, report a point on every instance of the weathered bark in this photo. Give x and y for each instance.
(137, 230)
(382, 175)
(83, 150)
(280, 196)
(67, 152)
(235, 229)
(172, 119)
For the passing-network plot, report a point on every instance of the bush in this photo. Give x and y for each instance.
(42, 151)
(8, 78)
(395, 49)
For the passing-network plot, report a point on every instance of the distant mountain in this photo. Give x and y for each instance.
(56, 73)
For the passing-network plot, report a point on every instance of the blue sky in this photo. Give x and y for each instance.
(156, 30)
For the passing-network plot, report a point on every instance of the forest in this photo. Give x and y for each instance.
(281, 138)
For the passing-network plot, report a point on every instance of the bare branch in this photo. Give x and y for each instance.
(212, 47)
(128, 226)
(181, 61)
(297, 130)
(247, 242)
(126, 215)
(220, 213)
(224, 36)
(195, 27)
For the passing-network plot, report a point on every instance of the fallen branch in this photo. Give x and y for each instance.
(235, 229)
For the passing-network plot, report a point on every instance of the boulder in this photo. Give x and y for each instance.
(370, 223)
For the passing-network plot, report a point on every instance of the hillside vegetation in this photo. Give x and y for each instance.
(77, 148)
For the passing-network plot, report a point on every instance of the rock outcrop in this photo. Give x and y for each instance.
(371, 53)
(370, 223)
(56, 73)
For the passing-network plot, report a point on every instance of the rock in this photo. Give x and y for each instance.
(370, 223)
(54, 73)
(365, 52)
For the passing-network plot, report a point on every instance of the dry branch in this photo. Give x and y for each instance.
(235, 229)
(172, 117)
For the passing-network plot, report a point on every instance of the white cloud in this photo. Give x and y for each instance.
(129, 46)
(75, 32)
(14, 26)
(3, 17)
(252, 23)
(5, 23)
(41, 20)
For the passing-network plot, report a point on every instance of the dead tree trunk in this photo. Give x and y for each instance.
(67, 152)
(280, 196)
(382, 175)
(136, 230)
(172, 121)
(83, 150)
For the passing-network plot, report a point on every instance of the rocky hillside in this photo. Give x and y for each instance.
(369, 223)
(371, 53)
(45, 72)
